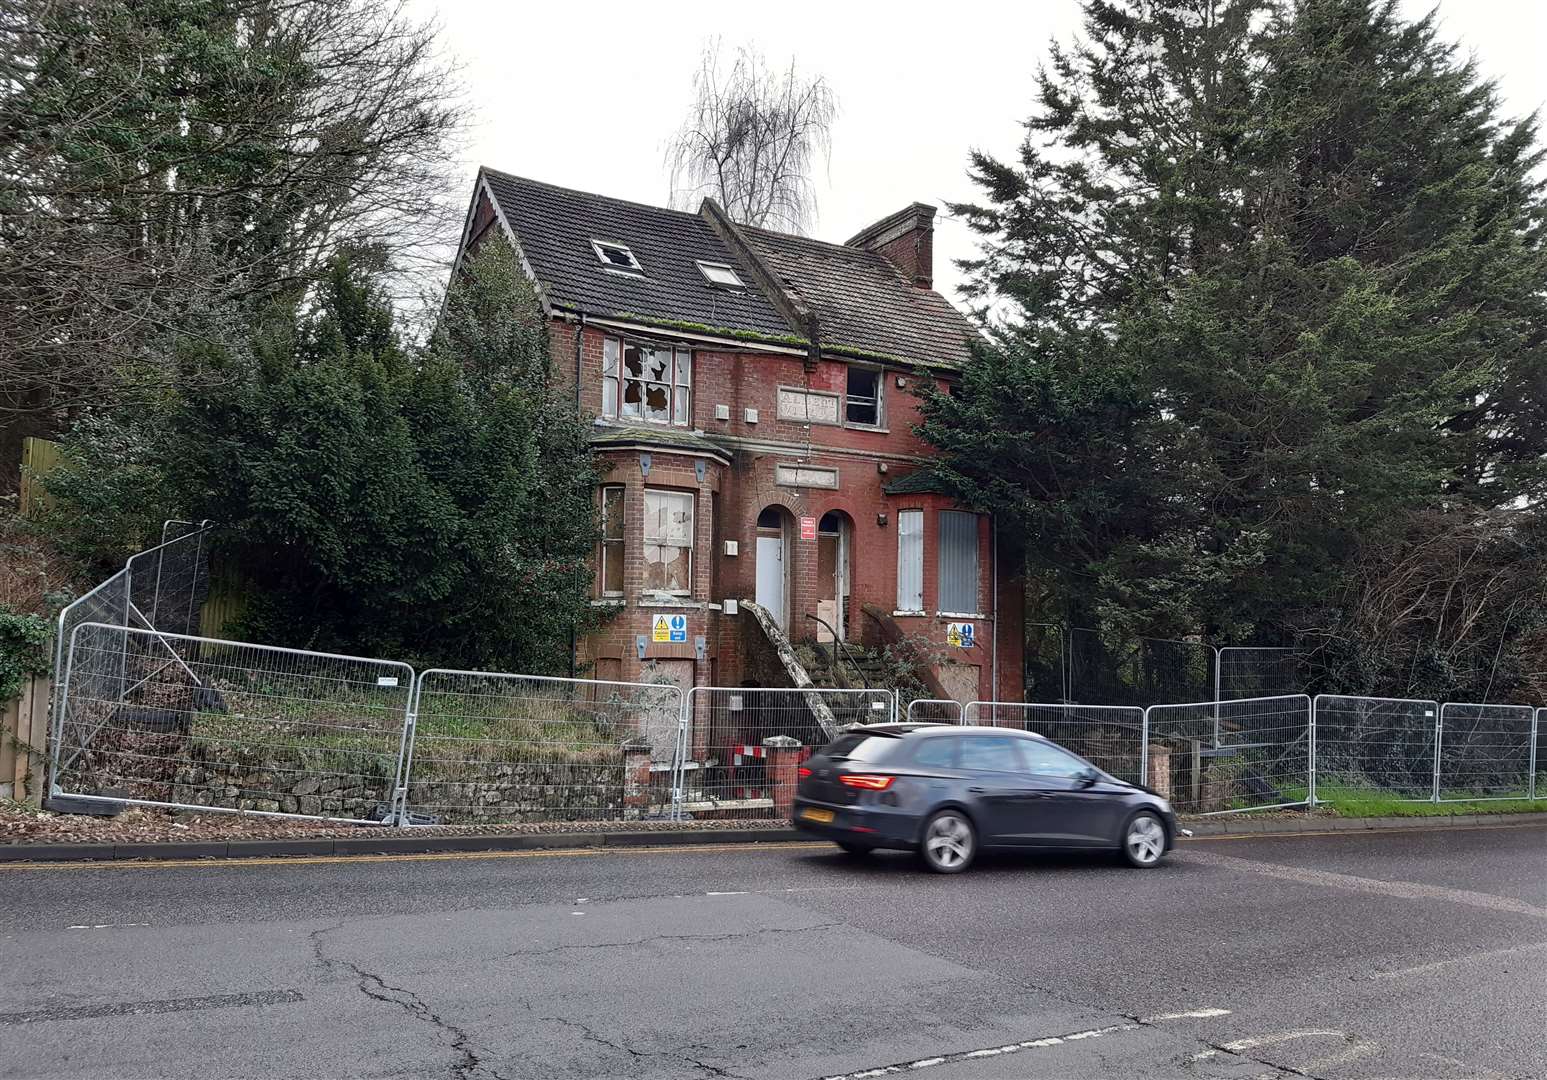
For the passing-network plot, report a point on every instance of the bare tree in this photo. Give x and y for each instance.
(168, 169)
(752, 139)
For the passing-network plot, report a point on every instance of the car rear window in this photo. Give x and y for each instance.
(857, 747)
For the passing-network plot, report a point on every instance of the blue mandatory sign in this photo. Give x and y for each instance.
(679, 628)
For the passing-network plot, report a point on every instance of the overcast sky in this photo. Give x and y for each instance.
(585, 94)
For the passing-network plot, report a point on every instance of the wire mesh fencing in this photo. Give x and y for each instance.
(1111, 737)
(1214, 757)
(1136, 671)
(1485, 752)
(1256, 672)
(215, 725)
(743, 745)
(934, 711)
(502, 748)
(1374, 745)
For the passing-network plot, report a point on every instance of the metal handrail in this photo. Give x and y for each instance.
(838, 639)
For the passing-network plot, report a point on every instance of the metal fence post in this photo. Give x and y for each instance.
(1219, 664)
(405, 755)
(1144, 748)
(1439, 740)
(1310, 779)
(1536, 724)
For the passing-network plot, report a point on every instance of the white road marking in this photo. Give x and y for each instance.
(743, 892)
(1280, 1037)
(1407, 890)
(991, 1051)
(103, 925)
(1194, 1014)
(1422, 968)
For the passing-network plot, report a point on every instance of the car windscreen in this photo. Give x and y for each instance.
(860, 747)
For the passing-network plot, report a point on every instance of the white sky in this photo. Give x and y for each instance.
(584, 94)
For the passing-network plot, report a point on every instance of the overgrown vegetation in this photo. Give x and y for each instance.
(1269, 350)
(433, 504)
(23, 650)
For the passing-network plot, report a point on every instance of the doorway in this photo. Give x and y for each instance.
(773, 564)
(834, 537)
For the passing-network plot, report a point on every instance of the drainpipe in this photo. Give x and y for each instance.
(993, 630)
(579, 335)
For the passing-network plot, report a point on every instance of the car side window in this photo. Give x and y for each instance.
(938, 752)
(996, 753)
(1045, 759)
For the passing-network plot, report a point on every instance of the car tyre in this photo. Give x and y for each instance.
(854, 850)
(1144, 840)
(949, 843)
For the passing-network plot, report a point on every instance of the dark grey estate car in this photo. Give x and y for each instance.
(947, 791)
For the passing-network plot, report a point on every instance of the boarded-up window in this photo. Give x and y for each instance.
(668, 541)
(958, 562)
(910, 560)
(612, 541)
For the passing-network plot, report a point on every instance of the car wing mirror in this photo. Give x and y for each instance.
(1089, 777)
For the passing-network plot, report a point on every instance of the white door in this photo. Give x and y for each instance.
(770, 577)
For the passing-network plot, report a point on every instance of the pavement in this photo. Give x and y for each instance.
(1409, 954)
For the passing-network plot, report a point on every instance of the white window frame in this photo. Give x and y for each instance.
(880, 421)
(707, 268)
(633, 268)
(602, 562)
(655, 540)
(905, 573)
(615, 381)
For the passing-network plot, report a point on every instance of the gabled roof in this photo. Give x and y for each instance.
(863, 304)
(554, 228)
(845, 299)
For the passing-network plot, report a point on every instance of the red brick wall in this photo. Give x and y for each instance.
(743, 380)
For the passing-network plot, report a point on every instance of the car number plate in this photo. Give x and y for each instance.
(811, 813)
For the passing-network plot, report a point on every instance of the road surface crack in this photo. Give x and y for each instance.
(591, 1036)
(373, 986)
(669, 937)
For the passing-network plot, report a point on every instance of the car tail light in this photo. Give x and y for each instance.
(868, 781)
(803, 772)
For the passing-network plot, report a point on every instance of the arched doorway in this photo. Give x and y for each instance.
(773, 564)
(834, 539)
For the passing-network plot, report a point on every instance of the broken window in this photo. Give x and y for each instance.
(654, 383)
(612, 541)
(668, 541)
(616, 256)
(863, 401)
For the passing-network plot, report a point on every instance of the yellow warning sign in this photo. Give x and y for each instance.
(660, 629)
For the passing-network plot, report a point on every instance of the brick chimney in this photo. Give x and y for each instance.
(905, 239)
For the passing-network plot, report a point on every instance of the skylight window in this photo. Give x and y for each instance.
(617, 257)
(720, 275)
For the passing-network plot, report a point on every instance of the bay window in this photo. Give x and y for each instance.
(668, 542)
(958, 559)
(910, 560)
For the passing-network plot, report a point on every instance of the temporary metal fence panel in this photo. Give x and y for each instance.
(934, 710)
(1484, 752)
(1220, 757)
(226, 726)
(743, 743)
(1538, 787)
(1375, 745)
(1256, 672)
(1137, 671)
(491, 747)
(1109, 736)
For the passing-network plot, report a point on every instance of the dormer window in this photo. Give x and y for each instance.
(720, 275)
(617, 257)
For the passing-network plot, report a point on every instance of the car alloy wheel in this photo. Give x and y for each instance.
(1144, 839)
(949, 842)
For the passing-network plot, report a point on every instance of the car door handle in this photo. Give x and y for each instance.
(976, 791)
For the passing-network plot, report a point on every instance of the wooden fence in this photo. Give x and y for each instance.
(23, 733)
(38, 459)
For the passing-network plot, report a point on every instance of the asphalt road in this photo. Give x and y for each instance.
(1402, 955)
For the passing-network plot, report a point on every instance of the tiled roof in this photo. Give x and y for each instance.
(863, 303)
(555, 227)
(921, 482)
(658, 435)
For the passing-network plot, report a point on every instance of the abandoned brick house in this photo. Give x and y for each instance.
(753, 396)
